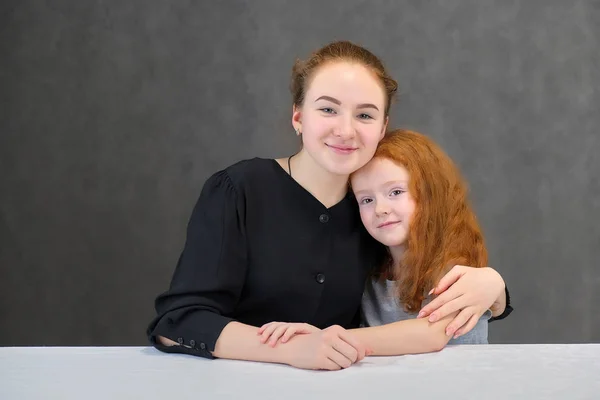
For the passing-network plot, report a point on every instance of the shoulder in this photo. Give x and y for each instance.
(251, 168)
(235, 184)
(250, 171)
(244, 173)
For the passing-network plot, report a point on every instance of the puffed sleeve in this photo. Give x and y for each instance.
(209, 275)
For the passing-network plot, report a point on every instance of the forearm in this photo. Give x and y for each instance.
(241, 342)
(238, 341)
(412, 336)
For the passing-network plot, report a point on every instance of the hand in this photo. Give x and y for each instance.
(332, 349)
(283, 330)
(472, 291)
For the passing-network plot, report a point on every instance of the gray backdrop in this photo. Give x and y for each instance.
(112, 115)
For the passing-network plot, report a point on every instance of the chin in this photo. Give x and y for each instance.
(343, 168)
(390, 242)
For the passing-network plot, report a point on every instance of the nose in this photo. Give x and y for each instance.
(345, 130)
(381, 209)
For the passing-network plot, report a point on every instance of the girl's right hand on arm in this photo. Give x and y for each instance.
(333, 348)
(273, 331)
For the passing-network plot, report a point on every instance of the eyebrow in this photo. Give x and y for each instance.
(388, 183)
(336, 101)
(396, 182)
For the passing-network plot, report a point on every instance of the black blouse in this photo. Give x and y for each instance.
(261, 248)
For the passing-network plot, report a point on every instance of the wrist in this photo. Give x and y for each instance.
(287, 351)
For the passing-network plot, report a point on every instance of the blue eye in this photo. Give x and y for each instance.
(327, 110)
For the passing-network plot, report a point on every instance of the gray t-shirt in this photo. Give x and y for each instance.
(380, 306)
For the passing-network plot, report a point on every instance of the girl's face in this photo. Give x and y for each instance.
(386, 206)
(342, 118)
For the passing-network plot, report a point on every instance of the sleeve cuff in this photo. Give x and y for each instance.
(193, 340)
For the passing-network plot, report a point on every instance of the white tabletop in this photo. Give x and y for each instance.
(457, 372)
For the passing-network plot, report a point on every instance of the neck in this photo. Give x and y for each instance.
(325, 186)
(396, 252)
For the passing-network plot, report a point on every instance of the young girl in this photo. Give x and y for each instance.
(413, 200)
(282, 240)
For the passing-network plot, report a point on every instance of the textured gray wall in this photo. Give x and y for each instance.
(113, 113)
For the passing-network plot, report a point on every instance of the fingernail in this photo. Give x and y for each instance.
(421, 314)
(431, 291)
(449, 332)
(432, 318)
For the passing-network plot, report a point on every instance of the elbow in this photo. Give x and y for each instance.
(438, 342)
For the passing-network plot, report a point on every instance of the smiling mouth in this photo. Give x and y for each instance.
(386, 224)
(341, 149)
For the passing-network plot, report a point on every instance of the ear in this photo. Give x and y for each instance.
(384, 128)
(297, 118)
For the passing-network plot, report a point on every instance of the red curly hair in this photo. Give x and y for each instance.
(444, 230)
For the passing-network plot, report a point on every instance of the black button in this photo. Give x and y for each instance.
(192, 343)
(180, 340)
(324, 218)
(202, 346)
(320, 278)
